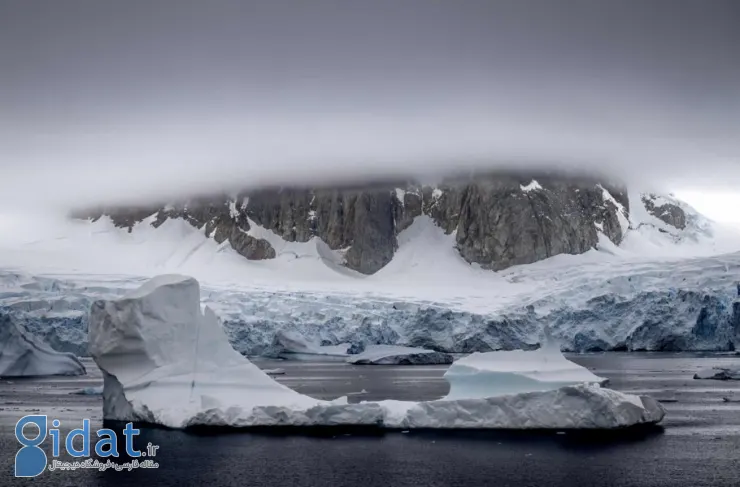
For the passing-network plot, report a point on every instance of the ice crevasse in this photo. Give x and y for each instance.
(165, 361)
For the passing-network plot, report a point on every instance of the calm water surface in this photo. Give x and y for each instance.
(699, 444)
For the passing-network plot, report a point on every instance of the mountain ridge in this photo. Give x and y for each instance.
(498, 220)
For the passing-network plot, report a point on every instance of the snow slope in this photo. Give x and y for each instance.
(166, 362)
(650, 237)
(657, 291)
(425, 265)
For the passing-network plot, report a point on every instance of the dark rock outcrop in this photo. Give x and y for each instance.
(667, 212)
(250, 247)
(500, 224)
(499, 220)
(219, 218)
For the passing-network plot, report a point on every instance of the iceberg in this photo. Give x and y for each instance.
(89, 391)
(583, 406)
(513, 372)
(397, 355)
(23, 355)
(290, 345)
(164, 361)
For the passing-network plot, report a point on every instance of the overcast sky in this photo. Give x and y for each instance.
(138, 99)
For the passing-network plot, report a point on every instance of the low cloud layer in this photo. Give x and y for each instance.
(152, 100)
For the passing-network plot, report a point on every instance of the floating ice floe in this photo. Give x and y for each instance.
(23, 355)
(89, 391)
(166, 362)
(512, 372)
(398, 355)
(719, 373)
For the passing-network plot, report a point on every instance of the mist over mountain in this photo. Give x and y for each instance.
(138, 101)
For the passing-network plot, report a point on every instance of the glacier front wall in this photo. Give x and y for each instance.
(24, 355)
(670, 309)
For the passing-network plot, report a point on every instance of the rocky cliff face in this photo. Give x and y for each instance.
(665, 211)
(498, 220)
(505, 221)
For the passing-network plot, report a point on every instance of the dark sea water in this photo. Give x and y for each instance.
(698, 444)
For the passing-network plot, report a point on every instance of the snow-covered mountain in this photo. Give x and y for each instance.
(479, 266)
(497, 220)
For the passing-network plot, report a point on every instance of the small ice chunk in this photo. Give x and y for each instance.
(718, 373)
(89, 391)
(397, 355)
(291, 345)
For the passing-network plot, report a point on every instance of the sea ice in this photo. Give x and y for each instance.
(22, 354)
(397, 355)
(166, 362)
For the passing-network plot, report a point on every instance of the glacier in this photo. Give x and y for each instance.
(165, 361)
(657, 291)
(24, 355)
(659, 306)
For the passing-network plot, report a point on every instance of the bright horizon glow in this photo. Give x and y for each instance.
(720, 206)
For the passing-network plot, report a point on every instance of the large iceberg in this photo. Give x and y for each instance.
(23, 355)
(516, 371)
(166, 362)
(397, 355)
